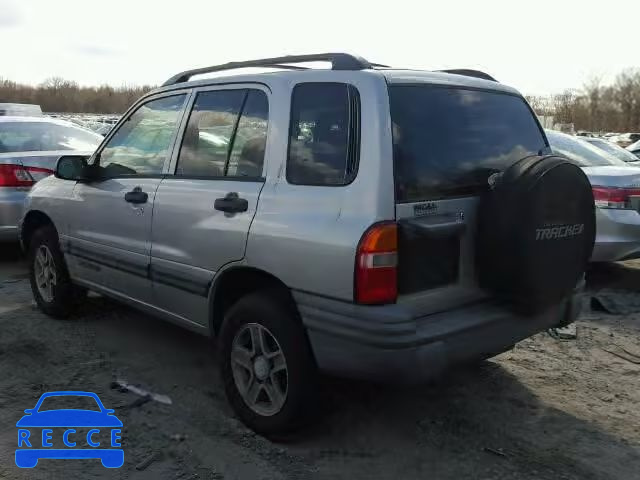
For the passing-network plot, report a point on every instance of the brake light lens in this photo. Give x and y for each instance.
(20, 176)
(613, 197)
(376, 278)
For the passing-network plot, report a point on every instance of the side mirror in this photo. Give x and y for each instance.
(109, 411)
(72, 167)
(29, 410)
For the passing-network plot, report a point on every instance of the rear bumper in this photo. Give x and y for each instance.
(618, 235)
(11, 208)
(383, 343)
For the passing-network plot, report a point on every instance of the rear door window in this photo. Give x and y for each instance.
(208, 136)
(226, 135)
(249, 142)
(448, 141)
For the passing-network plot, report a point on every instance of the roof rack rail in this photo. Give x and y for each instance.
(470, 73)
(339, 61)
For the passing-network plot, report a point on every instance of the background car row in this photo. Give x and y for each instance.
(616, 189)
(30, 147)
(31, 143)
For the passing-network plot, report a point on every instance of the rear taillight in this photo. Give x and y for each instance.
(19, 176)
(613, 197)
(376, 279)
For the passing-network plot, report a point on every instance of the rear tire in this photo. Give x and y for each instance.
(267, 367)
(52, 288)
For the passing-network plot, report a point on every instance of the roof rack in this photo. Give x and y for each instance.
(339, 61)
(470, 73)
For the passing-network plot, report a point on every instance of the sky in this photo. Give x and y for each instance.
(537, 46)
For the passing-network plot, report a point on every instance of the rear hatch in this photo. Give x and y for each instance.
(448, 142)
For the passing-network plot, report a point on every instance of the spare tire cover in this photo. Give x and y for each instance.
(536, 229)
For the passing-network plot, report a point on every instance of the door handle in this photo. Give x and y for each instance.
(437, 226)
(231, 203)
(136, 196)
(446, 229)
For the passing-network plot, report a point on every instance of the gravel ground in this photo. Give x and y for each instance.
(549, 409)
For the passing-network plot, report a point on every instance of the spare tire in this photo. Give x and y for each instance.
(536, 229)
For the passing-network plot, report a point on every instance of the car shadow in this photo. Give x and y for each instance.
(10, 251)
(614, 275)
(480, 422)
(12, 262)
(468, 424)
(469, 420)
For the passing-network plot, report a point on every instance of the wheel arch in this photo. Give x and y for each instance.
(33, 220)
(234, 283)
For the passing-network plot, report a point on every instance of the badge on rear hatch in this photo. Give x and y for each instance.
(422, 209)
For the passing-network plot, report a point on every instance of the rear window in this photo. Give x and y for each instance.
(448, 141)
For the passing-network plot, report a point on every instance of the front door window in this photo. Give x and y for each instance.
(143, 142)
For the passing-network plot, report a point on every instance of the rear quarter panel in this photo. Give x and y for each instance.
(307, 235)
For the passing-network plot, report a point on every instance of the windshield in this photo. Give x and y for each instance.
(613, 149)
(448, 140)
(45, 136)
(65, 402)
(580, 151)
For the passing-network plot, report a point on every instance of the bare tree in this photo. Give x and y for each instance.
(614, 108)
(563, 105)
(57, 94)
(592, 96)
(596, 107)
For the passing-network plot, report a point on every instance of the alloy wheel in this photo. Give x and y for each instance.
(45, 273)
(259, 369)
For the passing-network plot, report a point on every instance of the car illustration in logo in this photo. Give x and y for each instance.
(85, 433)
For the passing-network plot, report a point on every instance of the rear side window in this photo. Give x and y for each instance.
(448, 141)
(324, 138)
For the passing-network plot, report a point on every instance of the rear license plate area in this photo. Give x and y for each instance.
(425, 263)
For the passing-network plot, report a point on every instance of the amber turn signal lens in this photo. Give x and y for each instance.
(382, 237)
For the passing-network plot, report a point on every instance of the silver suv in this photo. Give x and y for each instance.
(358, 220)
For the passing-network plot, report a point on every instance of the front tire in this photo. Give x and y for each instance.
(52, 288)
(266, 364)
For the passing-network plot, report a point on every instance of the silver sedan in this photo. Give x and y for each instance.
(616, 190)
(29, 150)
